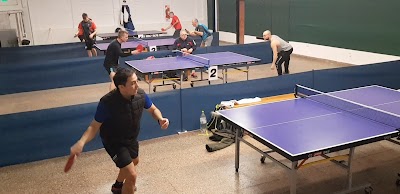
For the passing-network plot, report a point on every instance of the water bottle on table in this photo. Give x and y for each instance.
(203, 122)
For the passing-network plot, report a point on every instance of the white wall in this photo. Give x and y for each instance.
(56, 21)
(354, 57)
(322, 52)
(18, 5)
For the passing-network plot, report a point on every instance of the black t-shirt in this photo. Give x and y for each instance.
(113, 53)
(188, 44)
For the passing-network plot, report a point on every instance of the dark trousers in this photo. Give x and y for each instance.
(283, 56)
(177, 33)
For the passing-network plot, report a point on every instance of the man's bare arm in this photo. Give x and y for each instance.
(89, 134)
(156, 114)
(274, 48)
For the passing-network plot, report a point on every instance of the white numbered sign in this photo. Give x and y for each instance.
(153, 48)
(213, 73)
(140, 36)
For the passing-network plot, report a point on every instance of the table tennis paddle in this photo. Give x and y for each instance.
(139, 48)
(70, 162)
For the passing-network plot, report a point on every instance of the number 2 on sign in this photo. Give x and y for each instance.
(213, 73)
(153, 48)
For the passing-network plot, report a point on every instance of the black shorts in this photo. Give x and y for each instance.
(122, 154)
(113, 67)
(89, 44)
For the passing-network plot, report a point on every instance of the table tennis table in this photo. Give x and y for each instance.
(316, 124)
(131, 33)
(161, 66)
(151, 45)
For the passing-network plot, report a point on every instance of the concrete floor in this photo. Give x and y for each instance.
(181, 164)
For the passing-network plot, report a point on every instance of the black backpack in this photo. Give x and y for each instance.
(215, 121)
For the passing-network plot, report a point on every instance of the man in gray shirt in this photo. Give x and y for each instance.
(281, 51)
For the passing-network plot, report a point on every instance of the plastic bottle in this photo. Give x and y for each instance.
(203, 122)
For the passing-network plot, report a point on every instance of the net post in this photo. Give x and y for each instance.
(295, 90)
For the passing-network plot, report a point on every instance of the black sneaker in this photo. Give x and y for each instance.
(116, 190)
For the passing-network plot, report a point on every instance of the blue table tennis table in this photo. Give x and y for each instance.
(150, 45)
(315, 124)
(132, 33)
(226, 60)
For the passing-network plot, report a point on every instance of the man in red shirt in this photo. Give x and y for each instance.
(87, 30)
(176, 23)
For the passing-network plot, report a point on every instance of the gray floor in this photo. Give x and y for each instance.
(181, 164)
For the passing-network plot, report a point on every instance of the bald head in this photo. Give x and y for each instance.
(267, 35)
(195, 22)
(183, 32)
(183, 35)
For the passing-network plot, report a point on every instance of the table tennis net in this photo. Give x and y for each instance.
(142, 42)
(202, 60)
(364, 111)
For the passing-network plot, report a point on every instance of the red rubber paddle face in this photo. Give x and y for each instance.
(70, 162)
(139, 48)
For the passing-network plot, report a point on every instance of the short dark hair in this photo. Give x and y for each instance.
(122, 75)
(121, 32)
(84, 15)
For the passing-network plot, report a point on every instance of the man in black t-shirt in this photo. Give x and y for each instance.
(186, 45)
(113, 53)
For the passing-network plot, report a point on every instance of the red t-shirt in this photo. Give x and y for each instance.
(178, 25)
(92, 28)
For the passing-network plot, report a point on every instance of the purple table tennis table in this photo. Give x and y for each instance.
(152, 45)
(179, 63)
(317, 124)
(131, 33)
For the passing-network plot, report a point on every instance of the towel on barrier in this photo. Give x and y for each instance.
(248, 100)
(232, 103)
